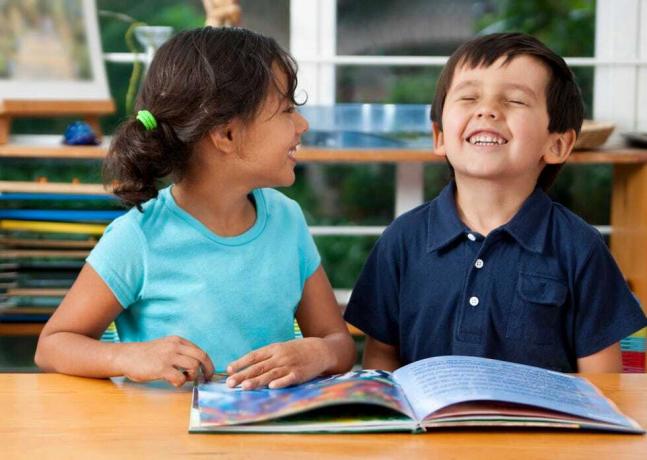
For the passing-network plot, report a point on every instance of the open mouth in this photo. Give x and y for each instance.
(292, 152)
(486, 139)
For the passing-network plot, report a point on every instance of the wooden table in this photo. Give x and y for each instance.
(55, 416)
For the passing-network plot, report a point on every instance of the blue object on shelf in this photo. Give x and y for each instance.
(79, 133)
(368, 125)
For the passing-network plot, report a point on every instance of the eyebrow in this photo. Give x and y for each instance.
(474, 83)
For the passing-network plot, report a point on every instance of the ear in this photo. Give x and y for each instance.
(439, 140)
(560, 147)
(224, 137)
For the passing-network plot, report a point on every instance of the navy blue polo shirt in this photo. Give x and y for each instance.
(543, 289)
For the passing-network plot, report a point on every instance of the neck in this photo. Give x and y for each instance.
(211, 194)
(484, 205)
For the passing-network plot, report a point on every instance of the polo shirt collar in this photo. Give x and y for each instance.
(443, 222)
(528, 227)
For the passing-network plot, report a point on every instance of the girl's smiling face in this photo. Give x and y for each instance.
(268, 147)
(495, 121)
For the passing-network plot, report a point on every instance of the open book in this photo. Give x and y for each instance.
(445, 391)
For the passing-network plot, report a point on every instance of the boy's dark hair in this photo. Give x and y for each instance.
(563, 97)
(199, 79)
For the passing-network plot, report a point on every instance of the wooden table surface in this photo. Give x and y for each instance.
(55, 416)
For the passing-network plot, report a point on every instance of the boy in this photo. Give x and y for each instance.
(492, 267)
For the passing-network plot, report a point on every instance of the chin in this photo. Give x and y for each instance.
(285, 181)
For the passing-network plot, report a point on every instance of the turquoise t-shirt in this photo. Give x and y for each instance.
(228, 295)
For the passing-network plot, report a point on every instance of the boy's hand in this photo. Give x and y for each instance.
(172, 358)
(281, 364)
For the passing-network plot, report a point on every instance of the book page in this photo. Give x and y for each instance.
(433, 383)
(220, 405)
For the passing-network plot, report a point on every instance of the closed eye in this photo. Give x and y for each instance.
(515, 101)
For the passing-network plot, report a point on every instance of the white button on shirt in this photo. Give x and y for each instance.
(474, 301)
(478, 263)
(471, 237)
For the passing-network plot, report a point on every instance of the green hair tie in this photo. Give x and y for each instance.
(147, 119)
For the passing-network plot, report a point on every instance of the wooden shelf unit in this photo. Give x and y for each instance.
(89, 110)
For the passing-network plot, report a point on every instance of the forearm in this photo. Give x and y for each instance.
(341, 350)
(76, 354)
(607, 360)
(379, 355)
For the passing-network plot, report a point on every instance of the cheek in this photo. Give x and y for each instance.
(453, 125)
(527, 130)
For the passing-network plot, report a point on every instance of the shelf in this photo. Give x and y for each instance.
(50, 147)
(21, 329)
(51, 187)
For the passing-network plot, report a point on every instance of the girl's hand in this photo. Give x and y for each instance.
(172, 358)
(281, 364)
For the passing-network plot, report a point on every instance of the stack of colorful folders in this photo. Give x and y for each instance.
(634, 352)
(44, 239)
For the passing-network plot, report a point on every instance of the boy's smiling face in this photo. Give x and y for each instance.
(495, 122)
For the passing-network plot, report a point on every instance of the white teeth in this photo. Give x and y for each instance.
(486, 139)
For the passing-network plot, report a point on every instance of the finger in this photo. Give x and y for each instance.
(174, 377)
(189, 349)
(190, 366)
(253, 357)
(264, 379)
(189, 375)
(250, 372)
(284, 381)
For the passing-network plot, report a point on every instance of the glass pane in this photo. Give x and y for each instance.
(343, 258)
(437, 27)
(345, 194)
(268, 18)
(567, 27)
(415, 28)
(381, 84)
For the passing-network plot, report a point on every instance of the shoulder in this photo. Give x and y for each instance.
(407, 234)
(577, 244)
(278, 203)
(572, 231)
(140, 223)
(413, 223)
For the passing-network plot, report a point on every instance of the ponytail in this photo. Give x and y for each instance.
(139, 160)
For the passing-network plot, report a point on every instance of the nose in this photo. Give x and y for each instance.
(301, 123)
(488, 109)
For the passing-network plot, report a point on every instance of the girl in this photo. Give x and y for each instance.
(208, 273)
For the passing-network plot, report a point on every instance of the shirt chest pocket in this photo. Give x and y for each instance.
(537, 309)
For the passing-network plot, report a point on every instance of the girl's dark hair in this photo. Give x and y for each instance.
(563, 97)
(199, 79)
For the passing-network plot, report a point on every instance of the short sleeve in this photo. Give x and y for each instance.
(606, 310)
(373, 305)
(119, 259)
(309, 258)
